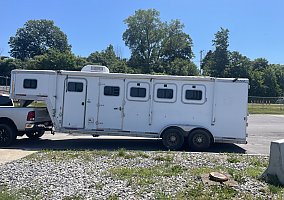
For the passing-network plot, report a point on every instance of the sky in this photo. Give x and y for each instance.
(256, 26)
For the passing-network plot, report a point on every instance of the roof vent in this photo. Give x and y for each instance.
(95, 68)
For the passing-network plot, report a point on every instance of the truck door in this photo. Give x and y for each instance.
(74, 103)
(110, 112)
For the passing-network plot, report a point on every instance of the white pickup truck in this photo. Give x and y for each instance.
(18, 121)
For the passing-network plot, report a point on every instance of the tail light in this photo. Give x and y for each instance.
(31, 116)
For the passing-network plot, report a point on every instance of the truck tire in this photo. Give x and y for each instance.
(173, 139)
(199, 140)
(7, 135)
(35, 135)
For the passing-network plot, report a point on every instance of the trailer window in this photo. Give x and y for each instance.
(111, 91)
(30, 83)
(75, 87)
(138, 92)
(193, 95)
(165, 93)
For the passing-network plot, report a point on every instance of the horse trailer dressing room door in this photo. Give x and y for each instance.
(110, 115)
(74, 103)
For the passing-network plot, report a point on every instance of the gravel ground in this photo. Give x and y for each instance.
(133, 175)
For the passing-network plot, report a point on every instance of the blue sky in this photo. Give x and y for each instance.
(256, 26)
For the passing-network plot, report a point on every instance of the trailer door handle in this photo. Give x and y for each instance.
(83, 103)
(119, 108)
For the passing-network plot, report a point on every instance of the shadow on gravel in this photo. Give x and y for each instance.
(110, 144)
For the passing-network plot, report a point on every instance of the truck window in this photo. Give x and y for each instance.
(30, 83)
(75, 87)
(165, 93)
(5, 101)
(111, 91)
(138, 92)
(193, 95)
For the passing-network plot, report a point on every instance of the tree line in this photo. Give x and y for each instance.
(157, 47)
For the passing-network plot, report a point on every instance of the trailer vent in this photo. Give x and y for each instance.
(95, 68)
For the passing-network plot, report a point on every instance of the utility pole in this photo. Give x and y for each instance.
(200, 62)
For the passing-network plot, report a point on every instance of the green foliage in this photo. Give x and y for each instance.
(53, 60)
(109, 59)
(176, 44)
(265, 79)
(144, 37)
(6, 65)
(155, 44)
(238, 65)
(181, 67)
(218, 60)
(36, 38)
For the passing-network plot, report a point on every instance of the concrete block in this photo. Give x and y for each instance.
(275, 170)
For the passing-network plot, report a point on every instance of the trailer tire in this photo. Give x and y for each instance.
(7, 135)
(173, 139)
(35, 135)
(199, 140)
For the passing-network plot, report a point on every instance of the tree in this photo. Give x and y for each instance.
(176, 43)
(53, 60)
(271, 87)
(35, 38)
(106, 57)
(109, 59)
(239, 65)
(155, 44)
(260, 64)
(144, 37)
(7, 65)
(182, 67)
(207, 63)
(279, 72)
(219, 58)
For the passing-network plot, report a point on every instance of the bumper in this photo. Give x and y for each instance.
(43, 126)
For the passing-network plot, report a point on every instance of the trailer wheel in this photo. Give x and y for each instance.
(35, 135)
(7, 135)
(199, 140)
(173, 139)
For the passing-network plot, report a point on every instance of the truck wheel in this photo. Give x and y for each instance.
(35, 135)
(7, 135)
(199, 140)
(173, 139)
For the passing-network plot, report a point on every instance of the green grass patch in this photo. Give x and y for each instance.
(277, 109)
(233, 159)
(144, 175)
(199, 191)
(5, 195)
(73, 197)
(168, 158)
(113, 197)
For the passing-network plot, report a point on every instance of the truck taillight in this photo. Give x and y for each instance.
(31, 116)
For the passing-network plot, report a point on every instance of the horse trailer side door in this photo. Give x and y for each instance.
(110, 112)
(74, 103)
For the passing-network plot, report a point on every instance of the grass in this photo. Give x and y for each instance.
(200, 191)
(277, 109)
(145, 175)
(4, 195)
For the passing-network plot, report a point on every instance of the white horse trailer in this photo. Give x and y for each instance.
(178, 109)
